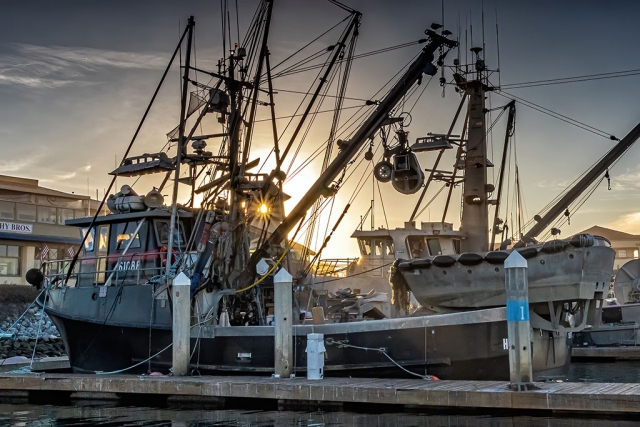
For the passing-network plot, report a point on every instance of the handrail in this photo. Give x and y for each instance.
(56, 270)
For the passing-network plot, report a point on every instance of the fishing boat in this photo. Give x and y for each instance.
(620, 319)
(112, 302)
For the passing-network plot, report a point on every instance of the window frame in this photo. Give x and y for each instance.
(11, 259)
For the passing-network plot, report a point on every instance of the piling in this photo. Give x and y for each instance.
(181, 324)
(282, 313)
(519, 328)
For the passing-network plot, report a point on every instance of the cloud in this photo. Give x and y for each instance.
(629, 223)
(14, 165)
(58, 66)
(67, 175)
(629, 180)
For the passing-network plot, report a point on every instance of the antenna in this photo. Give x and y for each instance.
(483, 45)
(471, 28)
(466, 44)
(498, 45)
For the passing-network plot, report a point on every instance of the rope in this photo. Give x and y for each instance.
(353, 275)
(20, 318)
(384, 352)
(35, 346)
(118, 371)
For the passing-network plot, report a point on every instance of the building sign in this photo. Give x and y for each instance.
(12, 227)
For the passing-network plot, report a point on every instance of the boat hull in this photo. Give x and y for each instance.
(619, 327)
(111, 334)
(575, 273)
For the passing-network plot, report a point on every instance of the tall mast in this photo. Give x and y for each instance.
(475, 215)
(352, 147)
(180, 147)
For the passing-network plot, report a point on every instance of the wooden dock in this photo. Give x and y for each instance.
(616, 353)
(471, 395)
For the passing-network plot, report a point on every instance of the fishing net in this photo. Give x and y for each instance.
(400, 288)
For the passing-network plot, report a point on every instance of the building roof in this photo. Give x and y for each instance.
(610, 233)
(13, 183)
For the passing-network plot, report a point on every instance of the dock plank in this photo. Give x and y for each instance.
(571, 397)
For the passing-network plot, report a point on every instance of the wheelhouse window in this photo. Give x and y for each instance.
(9, 260)
(390, 248)
(103, 239)
(162, 233)
(365, 246)
(125, 234)
(434, 246)
(89, 241)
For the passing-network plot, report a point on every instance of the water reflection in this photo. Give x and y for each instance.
(606, 372)
(101, 415)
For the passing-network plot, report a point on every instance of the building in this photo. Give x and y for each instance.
(32, 226)
(626, 245)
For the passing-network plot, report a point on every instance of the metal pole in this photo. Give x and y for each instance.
(519, 328)
(282, 313)
(180, 147)
(181, 324)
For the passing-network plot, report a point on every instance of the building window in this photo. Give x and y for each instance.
(7, 210)
(46, 214)
(635, 254)
(25, 212)
(9, 260)
(622, 253)
(64, 215)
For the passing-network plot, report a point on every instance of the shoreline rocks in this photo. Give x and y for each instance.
(19, 339)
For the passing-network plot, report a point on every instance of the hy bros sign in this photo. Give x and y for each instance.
(12, 227)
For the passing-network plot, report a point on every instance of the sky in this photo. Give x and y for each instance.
(75, 78)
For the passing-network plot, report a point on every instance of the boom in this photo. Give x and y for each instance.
(351, 148)
(614, 154)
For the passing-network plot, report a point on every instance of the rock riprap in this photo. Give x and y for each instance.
(19, 339)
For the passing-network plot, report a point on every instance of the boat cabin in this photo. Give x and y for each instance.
(409, 242)
(146, 234)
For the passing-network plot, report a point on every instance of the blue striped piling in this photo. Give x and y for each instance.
(519, 328)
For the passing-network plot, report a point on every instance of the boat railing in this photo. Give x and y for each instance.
(136, 268)
(339, 267)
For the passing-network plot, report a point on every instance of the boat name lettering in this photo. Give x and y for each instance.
(129, 265)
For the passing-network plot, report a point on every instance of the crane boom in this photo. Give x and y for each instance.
(352, 147)
(614, 154)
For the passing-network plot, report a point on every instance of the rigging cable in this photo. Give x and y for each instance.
(559, 116)
(574, 79)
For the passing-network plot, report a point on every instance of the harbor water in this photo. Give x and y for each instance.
(108, 413)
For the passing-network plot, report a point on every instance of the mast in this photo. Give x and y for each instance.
(351, 148)
(475, 215)
(180, 147)
(614, 154)
(510, 122)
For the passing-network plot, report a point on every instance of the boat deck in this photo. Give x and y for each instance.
(477, 395)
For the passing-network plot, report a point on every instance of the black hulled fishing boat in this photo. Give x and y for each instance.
(112, 303)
